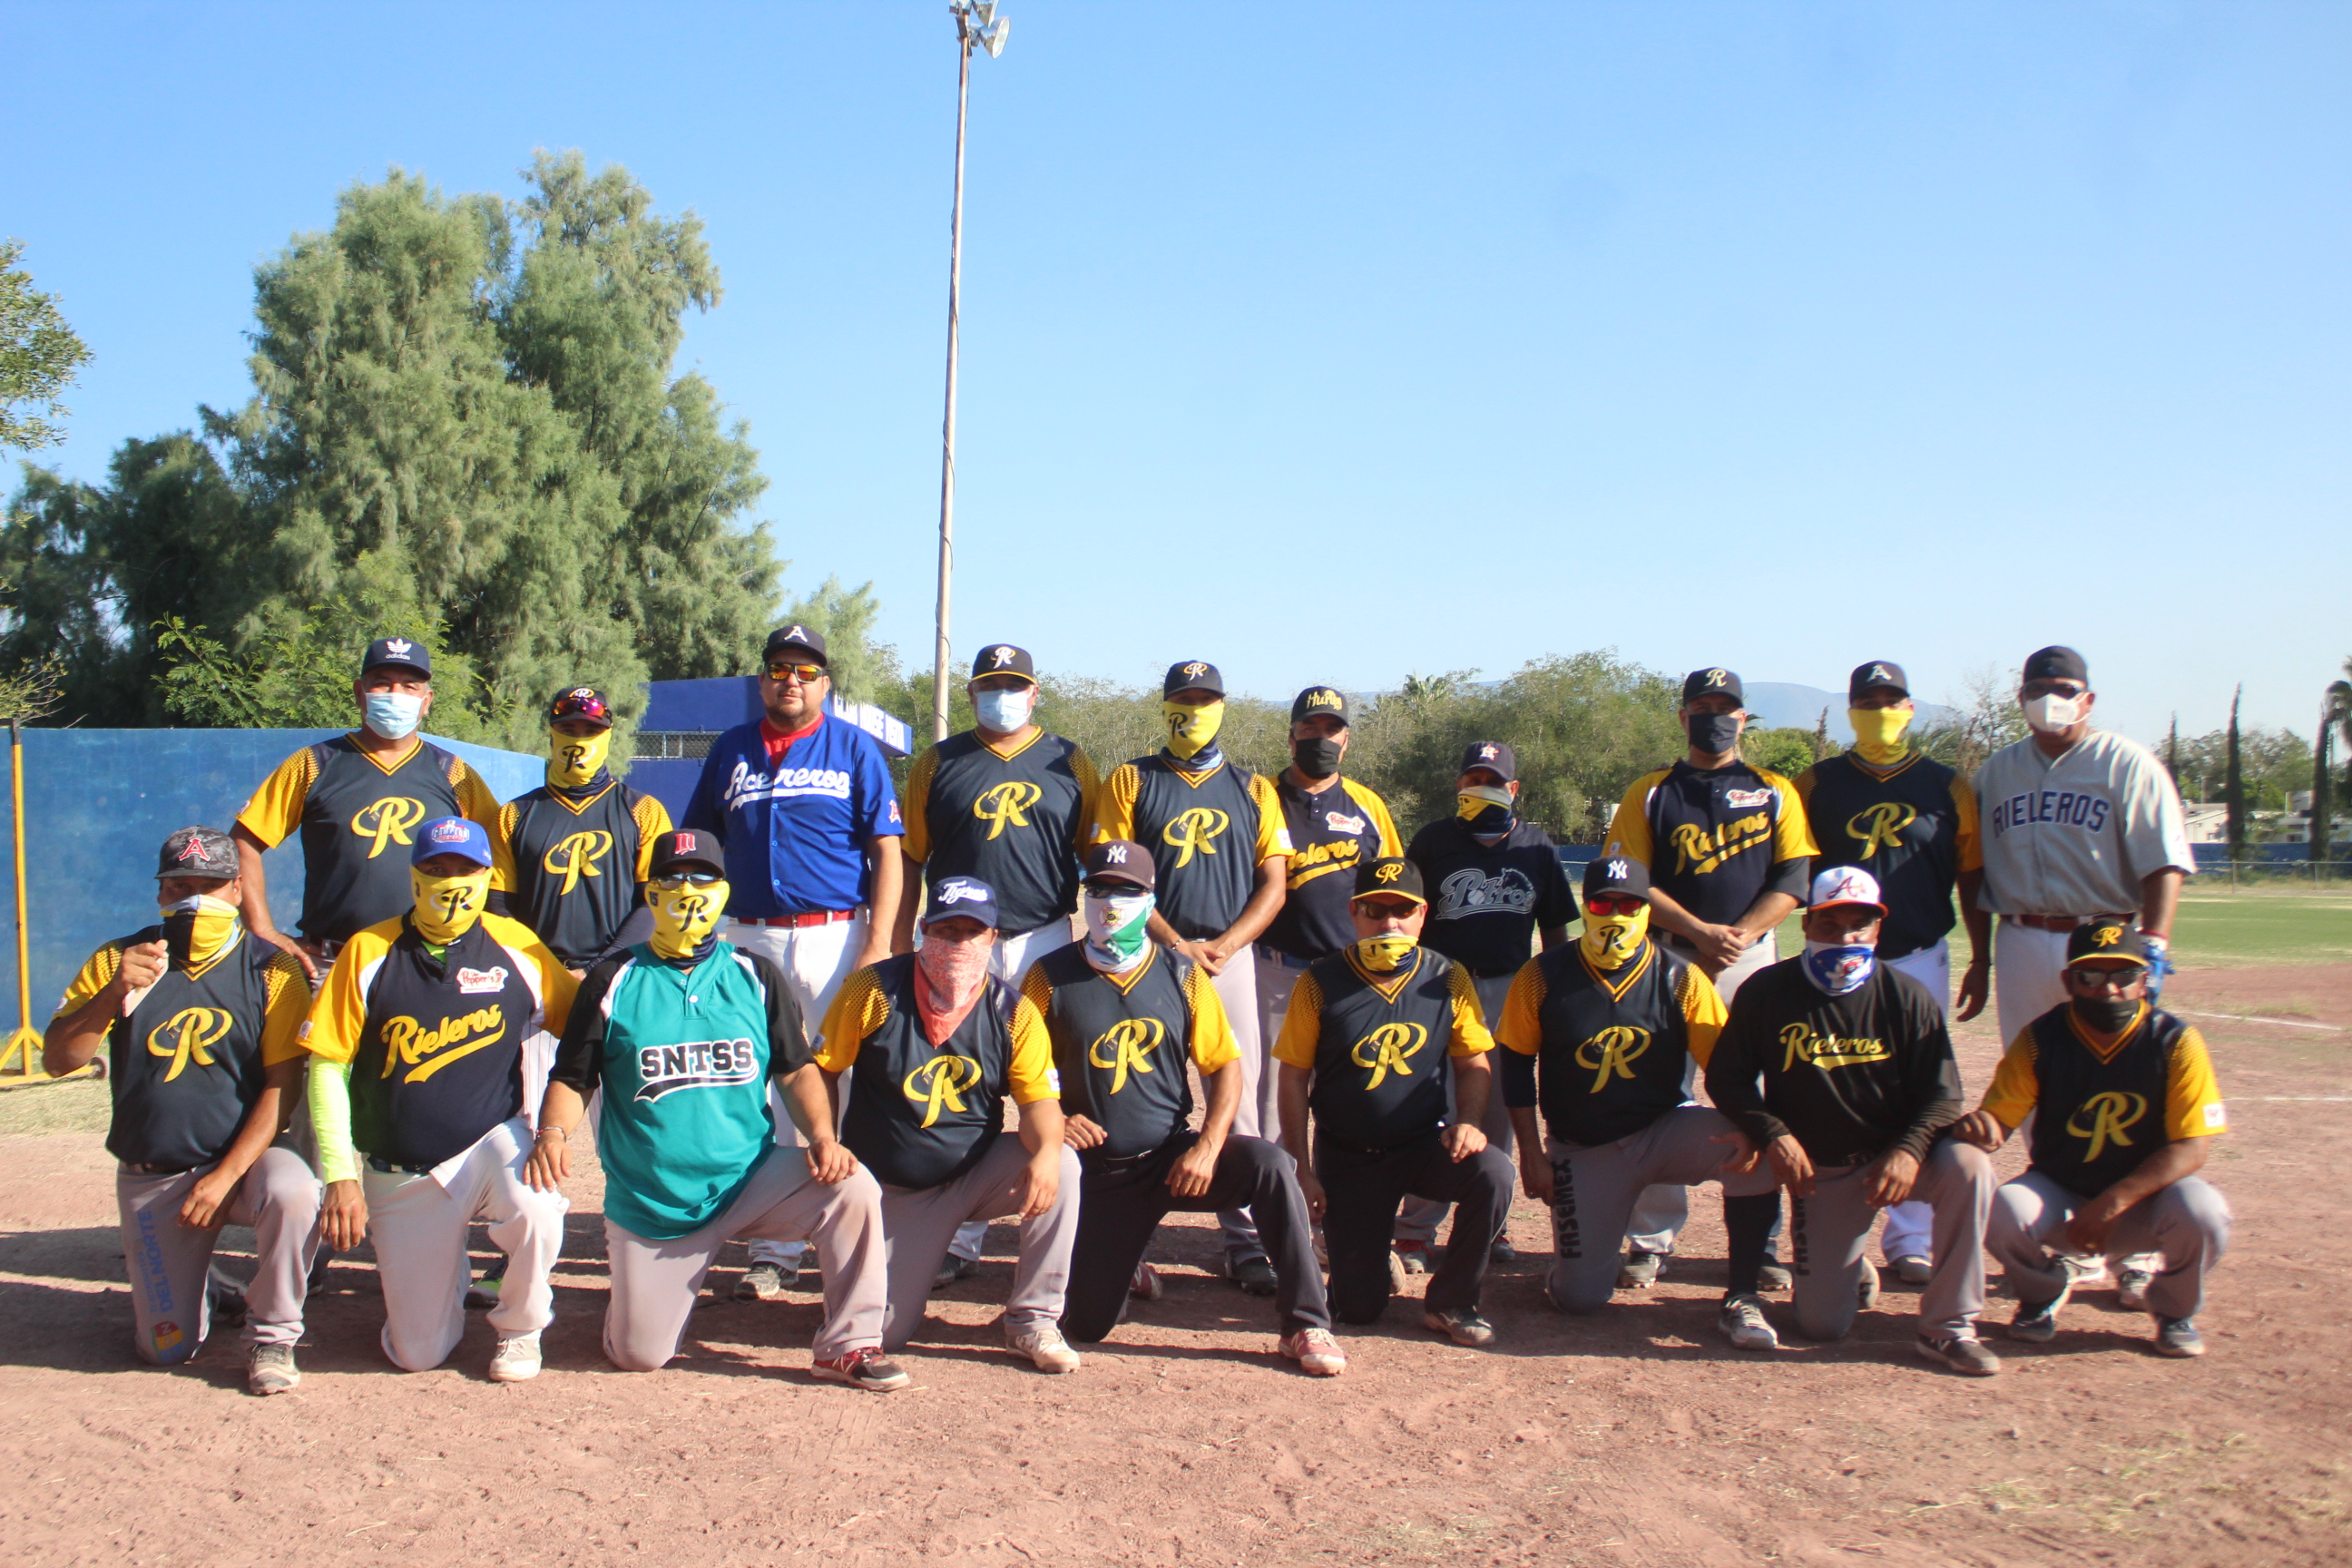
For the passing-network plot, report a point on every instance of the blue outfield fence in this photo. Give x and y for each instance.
(100, 803)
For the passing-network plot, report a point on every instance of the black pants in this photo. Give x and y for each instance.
(1122, 1202)
(1361, 1192)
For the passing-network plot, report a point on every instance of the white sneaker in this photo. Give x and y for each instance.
(1743, 1324)
(517, 1360)
(1043, 1343)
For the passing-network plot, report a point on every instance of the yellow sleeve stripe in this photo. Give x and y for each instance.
(2016, 1086)
(1471, 1035)
(1521, 1027)
(858, 1009)
(1032, 1072)
(288, 989)
(276, 808)
(97, 973)
(653, 821)
(1971, 831)
(1036, 989)
(1273, 831)
(1792, 838)
(1213, 1044)
(1302, 1027)
(914, 844)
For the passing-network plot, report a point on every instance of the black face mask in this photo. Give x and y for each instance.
(179, 936)
(1317, 756)
(1495, 820)
(1713, 734)
(2107, 1015)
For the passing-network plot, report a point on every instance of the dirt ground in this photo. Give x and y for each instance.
(1638, 1438)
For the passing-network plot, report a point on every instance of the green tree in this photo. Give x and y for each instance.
(2334, 719)
(1786, 751)
(39, 355)
(863, 670)
(1986, 719)
(2233, 786)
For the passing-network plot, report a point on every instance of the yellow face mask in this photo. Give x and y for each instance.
(1190, 729)
(573, 759)
(1878, 733)
(195, 928)
(1381, 954)
(446, 907)
(1610, 940)
(684, 916)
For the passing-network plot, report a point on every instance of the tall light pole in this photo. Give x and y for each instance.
(977, 25)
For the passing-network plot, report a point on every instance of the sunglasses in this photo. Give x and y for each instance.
(1608, 905)
(1113, 890)
(590, 707)
(805, 673)
(676, 879)
(2054, 688)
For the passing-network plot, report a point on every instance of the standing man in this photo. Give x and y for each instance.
(1728, 849)
(1494, 885)
(1857, 1088)
(573, 854)
(358, 801)
(200, 1022)
(1911, 823)
(1373, 1044)
(1218, 846)
(804, 803)
(2078, 823)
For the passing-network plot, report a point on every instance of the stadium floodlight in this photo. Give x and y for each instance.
(976, 23)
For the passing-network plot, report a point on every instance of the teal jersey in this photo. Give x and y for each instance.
(684, 1056)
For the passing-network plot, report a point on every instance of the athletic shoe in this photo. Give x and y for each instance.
(1964, 1353)
(1146, 1286)
(1743, 1324)
(1867, 1295)
(1255, 1276)
(1397, 1274)
(270, 1369)
(1502, 1251)
(1638, 1270)
(2036, 1322)
(1317, 1351)
(1775, 1278)
(2131, 1288)
(869, 1369)
(483, 1293)
(227, 1304)
(1415, 1256)
(1914, 1271)
(517, 1360)
(1044, 1345)
(1463, 1325)
(953, 1270)
(760, 1282)
(2178, 1337)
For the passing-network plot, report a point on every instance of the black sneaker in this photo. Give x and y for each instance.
(483, 1293)
(760, 1282)
(1774, 1278)
(2036, 1322)
(1502, 1251)
(1638, 1270)
(1255, 1276)
(2178, 1337)
(953, 1270)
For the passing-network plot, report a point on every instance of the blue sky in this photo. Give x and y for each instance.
(1335, 343)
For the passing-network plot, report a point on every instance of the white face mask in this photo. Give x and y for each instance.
(2049, 714)
(1004, 711)
(394, 714)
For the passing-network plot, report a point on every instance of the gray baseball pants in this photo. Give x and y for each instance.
(654, 1283)
(917, 1223)
(1660, 1214)
(169, 1263)
(1420, 1219)
(2187, 1225)
(1830, 1228)
(1595, 1188)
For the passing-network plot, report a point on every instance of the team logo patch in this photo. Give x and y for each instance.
(2217, 1115)
(699, 1064)
(1471, 891)
(1195, 668)
(1879, 676)
(2106, 1118)
(481, 981)
(1745, 799)
(1388, 873)
(193, 850)
(387, 821)
(1003, 656)
(1127, 1047)
(575, 855)
(1195, 829)
(1115, 855)
(448, 830)
(426, 1051)
(188, 1035)
(1004, 805)
(1339, 824)
(1388, 1049)
(1619, 870)
(399, 648)
(797, 634)
(1487, 752)
(1719, 676)
(959, 890)
(1611, 1051)
(2106, 936)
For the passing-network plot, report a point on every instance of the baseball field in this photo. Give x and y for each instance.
(1636, 1438)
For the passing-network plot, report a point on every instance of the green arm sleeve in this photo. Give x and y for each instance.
(331, 1118)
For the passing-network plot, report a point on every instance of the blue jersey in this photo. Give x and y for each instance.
(795, 834)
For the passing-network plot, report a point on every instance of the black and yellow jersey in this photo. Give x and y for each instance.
(1381, 1046)
(1331, 832)
(358, 818)
(921, 1114)
(1122, 1042)
(1717, 840)
(1208, 834)
(435, 1039)
(2100, 1109)
(1912, 825)
(186, 1061)
(1605, 1052)
(572, 870)
(1016, 819)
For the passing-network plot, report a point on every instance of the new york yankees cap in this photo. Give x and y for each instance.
(1318, 699)
(1846, 885)
(1617, 877)
(1191, 675)
(681, 848)
(1876, 673)
(397, 650)
(1492, 755)
(2106, 938)
(1715, 682)
(1003, 658)
(1121, 859)
(451, 835)
(966, 896)
(197, 852)
(1392, 874)
(796, 638)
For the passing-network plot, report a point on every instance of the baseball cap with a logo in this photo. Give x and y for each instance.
(1392, 874)
(2106, 938)
(1192, 674)
(1715, 682)
(2056, 662)
(1320, 700)
(1003, 658)
(1492, 755)
(967, 896)
(799, 639)
(685, 848)
(451, 835)
(1846, 885)
(1877, 673)
(197, 852)
(1121, 859)
(1617, 877)
(580, 702)
(406, 651)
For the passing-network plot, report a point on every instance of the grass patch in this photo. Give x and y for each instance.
(2263, 926)
(86, 1106)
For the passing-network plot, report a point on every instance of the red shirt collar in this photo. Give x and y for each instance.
(778, 741)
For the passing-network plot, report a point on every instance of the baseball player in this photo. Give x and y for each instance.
(1375, 1038)
(2123, 1099)
(199, 1022)
(1728, 847)
(572, 854)
(1857, 1086)
(2078, 823)
(1124, 1017)
(358, 801)
(933, 1042)
(1604, 1035)
(1007, 803)
(1495, 887)
(803, 803)
(1219, 844)
(685, 1032)
(1911, 823)
(426, 1047)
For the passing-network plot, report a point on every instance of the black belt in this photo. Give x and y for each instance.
(1369, 1152)
(386, 1168)
(139, 1170)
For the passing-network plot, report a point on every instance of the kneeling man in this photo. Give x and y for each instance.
(1858, 1089)
(2123, 1097)
(685, 1032)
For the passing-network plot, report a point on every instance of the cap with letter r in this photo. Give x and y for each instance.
(2056, 662)
(197, 852)
(1321, 700)
(1616, 877)
(966, 896)
(796, 638)
(1192, 674)
(1392, 874)
(406, 651)
(1003, 658)
(451, 835)
(1871, 677)
(1715, 682)
(683, 848)
(1846, 885)
(2106, 938)
(1122, 860)
(1494, 756)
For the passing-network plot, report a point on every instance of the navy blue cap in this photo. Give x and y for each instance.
(1003, 658)
(1494, 756)
(1617, 877)
(1715, 682)
(398, 650)
(682, 847)
(452, 835)
(1191, 674)
(966, 896)
(1876, 673)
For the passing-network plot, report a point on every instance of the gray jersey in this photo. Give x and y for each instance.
(2074, 835)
